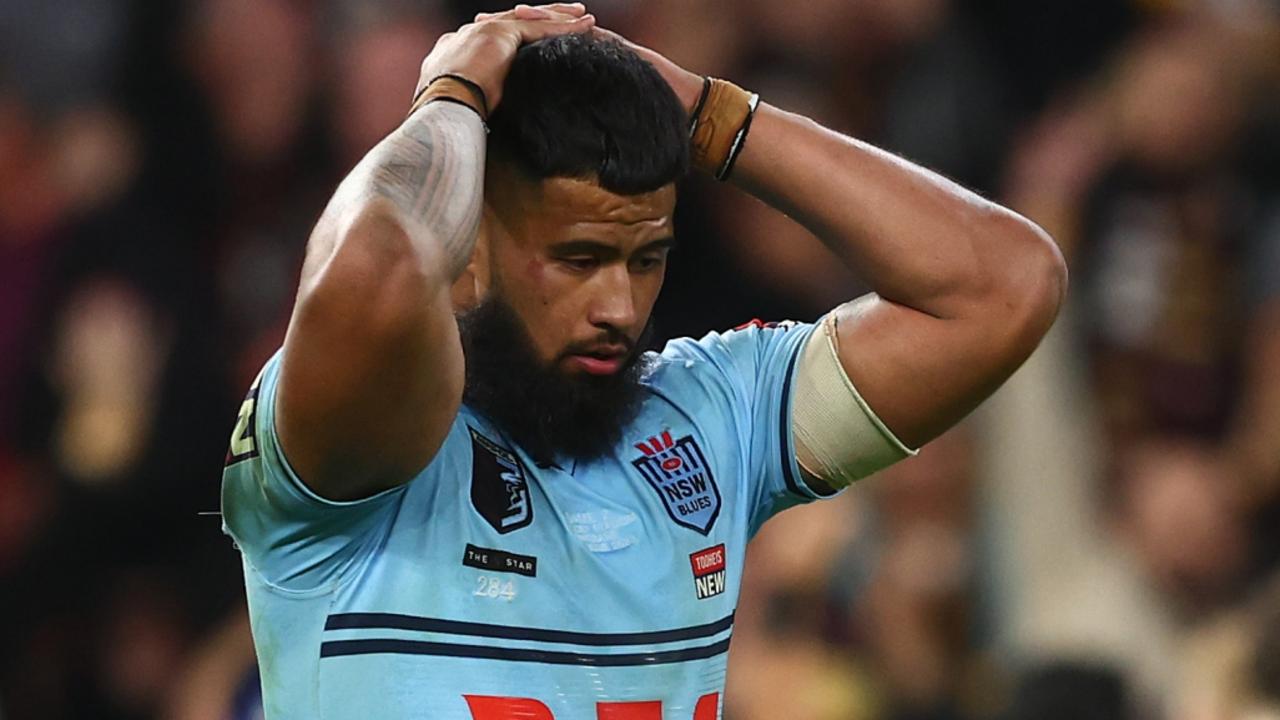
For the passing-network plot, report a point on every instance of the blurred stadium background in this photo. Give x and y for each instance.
(1100, 541)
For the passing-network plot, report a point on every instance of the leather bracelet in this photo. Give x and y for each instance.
(454, 88)
(739, 140)
(719, 126)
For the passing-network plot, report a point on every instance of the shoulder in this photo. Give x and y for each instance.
(737, 358)
(714, 346)
(716, 349)
(685, 359)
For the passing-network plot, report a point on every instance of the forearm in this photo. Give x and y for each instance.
(427, 178)
(917, 238)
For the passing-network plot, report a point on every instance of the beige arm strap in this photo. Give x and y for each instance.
(838, 437)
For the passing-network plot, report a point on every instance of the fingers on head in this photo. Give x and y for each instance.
(576, 9)
(530, 31)
(527, 12)
(551, 11)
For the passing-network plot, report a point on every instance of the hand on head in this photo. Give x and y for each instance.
(482, 51)
(687, 85)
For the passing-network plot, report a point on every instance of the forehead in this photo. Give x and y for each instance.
(559, 208)
(574, 200)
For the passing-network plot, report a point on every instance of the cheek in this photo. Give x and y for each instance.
(647, 291)
(548, 299)
(535, 274)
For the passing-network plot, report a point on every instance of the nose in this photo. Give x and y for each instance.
(613, 305)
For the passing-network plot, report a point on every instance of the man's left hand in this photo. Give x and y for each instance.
(687, 85)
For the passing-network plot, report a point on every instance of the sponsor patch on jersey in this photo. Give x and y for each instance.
(679, 473)
(500, 561)
(708, 571)
(499, 485)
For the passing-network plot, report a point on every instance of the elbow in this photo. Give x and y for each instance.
(1046, 276)
(1031, 277)
(1054, 278)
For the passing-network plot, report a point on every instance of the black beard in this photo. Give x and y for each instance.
(549, 413)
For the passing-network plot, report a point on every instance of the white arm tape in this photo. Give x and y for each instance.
(838, 437)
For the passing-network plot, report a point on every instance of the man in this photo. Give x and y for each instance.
(462, 492)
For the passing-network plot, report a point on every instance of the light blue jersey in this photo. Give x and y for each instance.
(489, 588)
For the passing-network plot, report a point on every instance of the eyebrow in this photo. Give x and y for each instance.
(595, 247)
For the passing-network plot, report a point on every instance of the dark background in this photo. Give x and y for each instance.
(1100, 541)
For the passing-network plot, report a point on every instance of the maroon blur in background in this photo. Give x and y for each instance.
(1101, 540)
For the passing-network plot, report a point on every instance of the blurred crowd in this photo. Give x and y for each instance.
(1101, 540)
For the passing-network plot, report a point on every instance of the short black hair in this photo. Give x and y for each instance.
(582, 106)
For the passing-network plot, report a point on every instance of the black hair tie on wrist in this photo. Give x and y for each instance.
(471, 85)
(697, 107)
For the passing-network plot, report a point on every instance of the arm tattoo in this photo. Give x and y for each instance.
(432, 169)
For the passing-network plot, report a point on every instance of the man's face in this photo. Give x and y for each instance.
(556, 303)
(580, 266)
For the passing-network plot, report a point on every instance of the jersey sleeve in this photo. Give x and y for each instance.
(295, 539)
(749, 375)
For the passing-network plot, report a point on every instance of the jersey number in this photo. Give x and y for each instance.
(495, 587)
(485, 707)
(241, 440)
(243, 443)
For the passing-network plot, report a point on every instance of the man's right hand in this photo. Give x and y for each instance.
(482, 51)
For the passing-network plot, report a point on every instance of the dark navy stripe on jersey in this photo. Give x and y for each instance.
(784, 425)
(339, 648)
(392, 621)
(789, 452)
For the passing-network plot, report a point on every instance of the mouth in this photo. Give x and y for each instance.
(600, 360)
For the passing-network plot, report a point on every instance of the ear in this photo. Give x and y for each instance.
(470, 287)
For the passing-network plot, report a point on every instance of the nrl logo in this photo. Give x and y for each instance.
(679, 473)
(499, 489)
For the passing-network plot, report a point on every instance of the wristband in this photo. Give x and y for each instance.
(719, 126)
(739, 140)
(453, 88)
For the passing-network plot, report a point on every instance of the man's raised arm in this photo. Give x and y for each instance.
(372, 372)
(963, 288)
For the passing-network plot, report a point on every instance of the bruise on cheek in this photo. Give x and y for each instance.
(534, 272)
(534, 268)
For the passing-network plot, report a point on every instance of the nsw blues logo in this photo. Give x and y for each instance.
(679, 472)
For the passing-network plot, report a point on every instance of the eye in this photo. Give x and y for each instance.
(647, 263)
